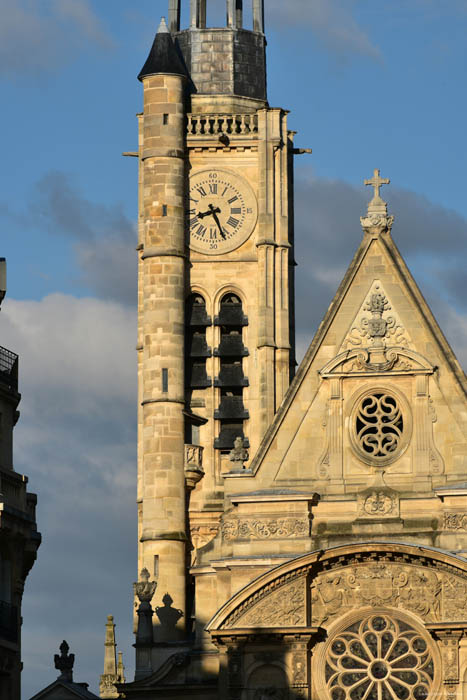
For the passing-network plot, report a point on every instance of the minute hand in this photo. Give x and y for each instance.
(216, 219)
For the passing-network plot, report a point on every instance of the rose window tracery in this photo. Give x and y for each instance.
(379, 658)
(378, 427)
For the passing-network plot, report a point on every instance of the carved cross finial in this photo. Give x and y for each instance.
(377, 182)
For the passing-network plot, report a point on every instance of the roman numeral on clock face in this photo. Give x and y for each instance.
(200, 231)
(231, 221)
(202, 191)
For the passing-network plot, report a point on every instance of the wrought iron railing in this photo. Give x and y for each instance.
(9, 367)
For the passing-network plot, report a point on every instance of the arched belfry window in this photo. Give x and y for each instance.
(196, 347)
(231, 380)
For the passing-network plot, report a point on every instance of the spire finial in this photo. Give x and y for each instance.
(163, 28)
(377, 182)
(377, 220)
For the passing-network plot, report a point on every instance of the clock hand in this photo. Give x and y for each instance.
(216, 219)
(210, 211)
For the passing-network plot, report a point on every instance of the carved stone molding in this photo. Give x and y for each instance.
(265, 528)
(455, 521)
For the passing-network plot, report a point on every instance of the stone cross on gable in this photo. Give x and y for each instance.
(376, 181)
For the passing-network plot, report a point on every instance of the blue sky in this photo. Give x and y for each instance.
(369, 84)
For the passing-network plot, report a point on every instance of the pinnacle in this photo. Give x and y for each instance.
(163, 28)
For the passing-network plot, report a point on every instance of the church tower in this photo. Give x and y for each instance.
(216, 261)
(302, 541)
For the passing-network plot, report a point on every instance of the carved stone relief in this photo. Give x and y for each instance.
(449, 647)
(379, 504)
(378, 500)
(455, 521)
(374, 324)
(284, 607)
(265, 528)
(380, 584)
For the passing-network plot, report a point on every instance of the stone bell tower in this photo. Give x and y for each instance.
(216, 260)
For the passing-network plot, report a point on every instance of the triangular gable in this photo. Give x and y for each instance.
(377, 267)
(63, 690)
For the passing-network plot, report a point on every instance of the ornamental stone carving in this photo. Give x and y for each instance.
(380, 655)
(284, 607)
(381, 584)
(373, 326)
(455, 521)
(378, 500)
(265, 528)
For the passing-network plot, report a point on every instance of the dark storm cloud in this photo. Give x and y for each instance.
(37, 37)
(104, 238)
(432, 239)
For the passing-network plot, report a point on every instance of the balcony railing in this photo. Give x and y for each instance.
(8, 622)
(222, 125)
(9, 368)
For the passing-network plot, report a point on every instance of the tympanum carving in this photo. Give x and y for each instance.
(284, 607)
(379, 584)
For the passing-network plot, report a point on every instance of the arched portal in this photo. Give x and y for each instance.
(370, 621)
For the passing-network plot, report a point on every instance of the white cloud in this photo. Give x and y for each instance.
(36, 37)
(76, 441)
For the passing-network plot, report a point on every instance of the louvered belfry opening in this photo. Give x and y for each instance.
(231, 380)
(196, 348)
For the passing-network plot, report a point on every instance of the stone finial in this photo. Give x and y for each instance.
(239, 455)
(121, 668)
(377, 220)
(163, 28)
(144, 588)
(64, 663)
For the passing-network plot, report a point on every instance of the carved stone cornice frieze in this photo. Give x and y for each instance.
(265, 528)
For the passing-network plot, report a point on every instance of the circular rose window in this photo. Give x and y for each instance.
(380, 657)
(380, 427)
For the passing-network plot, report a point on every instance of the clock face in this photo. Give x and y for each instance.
(222, 211)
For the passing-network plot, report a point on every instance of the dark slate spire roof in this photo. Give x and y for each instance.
(163, 57)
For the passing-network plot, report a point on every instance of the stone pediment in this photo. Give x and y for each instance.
(318, 587)
(378, 324)
(363, 362)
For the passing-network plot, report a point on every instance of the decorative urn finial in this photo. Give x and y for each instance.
(377, 220)
(144, 590)
(64, 663)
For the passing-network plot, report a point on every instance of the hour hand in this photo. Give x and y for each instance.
(210, 211)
